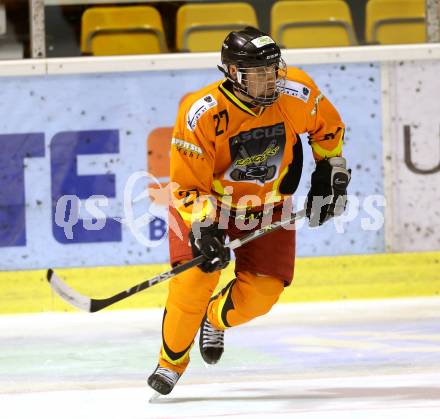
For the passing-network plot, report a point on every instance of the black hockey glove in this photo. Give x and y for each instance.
(328, 194)
(211, 244)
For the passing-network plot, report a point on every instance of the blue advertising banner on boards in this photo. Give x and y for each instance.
(75, 151)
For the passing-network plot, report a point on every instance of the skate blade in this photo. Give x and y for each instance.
(154, 397)
(209, 366)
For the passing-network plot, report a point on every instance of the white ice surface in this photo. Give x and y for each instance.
(357, 359)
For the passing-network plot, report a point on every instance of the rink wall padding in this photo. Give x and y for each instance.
(316, 279)
(82, 141)
(95, 135)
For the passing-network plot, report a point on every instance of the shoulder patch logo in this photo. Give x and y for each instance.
(186, 145)
(198, 109)
(295, 89)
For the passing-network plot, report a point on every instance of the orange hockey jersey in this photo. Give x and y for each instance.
(221, 151)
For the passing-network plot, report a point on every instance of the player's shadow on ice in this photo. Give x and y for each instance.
(402, 393)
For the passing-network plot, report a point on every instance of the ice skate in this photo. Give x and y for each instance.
(163, 380)
(211, 342)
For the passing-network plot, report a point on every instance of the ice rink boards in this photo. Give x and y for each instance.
(352, 359)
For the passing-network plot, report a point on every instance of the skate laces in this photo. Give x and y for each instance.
(168, 375)
(212, 338)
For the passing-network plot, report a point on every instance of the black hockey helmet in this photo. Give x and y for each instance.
(249, 49)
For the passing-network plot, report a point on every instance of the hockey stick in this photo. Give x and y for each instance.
(92, 305)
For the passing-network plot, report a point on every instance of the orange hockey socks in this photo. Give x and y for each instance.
(188, 297)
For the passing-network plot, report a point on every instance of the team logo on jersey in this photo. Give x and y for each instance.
(295, 89)
(198, 109)
(256, 154)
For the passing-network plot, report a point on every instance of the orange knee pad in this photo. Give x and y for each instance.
(246, 297)
(191, 290)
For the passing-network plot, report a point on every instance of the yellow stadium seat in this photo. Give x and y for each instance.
(308, 24)
(395, 21)
(122, 31)
(203, 27)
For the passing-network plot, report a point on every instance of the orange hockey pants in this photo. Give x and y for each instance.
(244, 298)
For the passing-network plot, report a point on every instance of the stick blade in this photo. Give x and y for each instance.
(68, 294)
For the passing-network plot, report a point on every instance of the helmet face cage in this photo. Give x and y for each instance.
(261, 85)
(260, 71)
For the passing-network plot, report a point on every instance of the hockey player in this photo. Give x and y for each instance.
(235, 146)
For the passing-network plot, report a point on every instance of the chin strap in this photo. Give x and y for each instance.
(224, 69)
